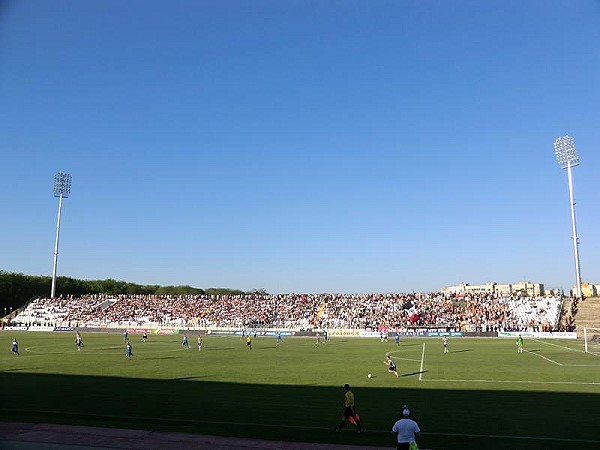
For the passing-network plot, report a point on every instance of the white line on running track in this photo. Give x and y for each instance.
(308, 427)
(422, 361)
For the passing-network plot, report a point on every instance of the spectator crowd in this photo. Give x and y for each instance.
(470, 312)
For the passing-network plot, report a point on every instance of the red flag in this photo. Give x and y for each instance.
(351, 419)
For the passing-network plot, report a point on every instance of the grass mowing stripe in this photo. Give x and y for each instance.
(303, 427)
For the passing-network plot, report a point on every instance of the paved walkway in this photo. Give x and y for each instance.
(26, 436)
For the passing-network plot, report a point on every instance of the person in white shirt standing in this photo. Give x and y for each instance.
(406, 431)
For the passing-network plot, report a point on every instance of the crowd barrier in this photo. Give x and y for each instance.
(538, 334)
(333, 333)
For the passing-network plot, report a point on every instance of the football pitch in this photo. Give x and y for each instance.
(482, 394)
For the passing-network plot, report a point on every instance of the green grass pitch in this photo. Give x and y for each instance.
(480, 395)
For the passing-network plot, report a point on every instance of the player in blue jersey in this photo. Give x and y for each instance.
(397, 338)
(128, 350)
(279, 338)
(125, 336)
(15, 347)
(185, 342)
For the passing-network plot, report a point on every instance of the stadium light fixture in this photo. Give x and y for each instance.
(62, 189)
(566, 156)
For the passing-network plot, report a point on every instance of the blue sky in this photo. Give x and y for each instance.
(300, 146)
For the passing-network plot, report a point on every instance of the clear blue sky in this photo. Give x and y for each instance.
(300, 146)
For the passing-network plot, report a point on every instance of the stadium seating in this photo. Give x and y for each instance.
(472, 312)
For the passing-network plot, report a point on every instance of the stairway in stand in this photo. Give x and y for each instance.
(588, 314)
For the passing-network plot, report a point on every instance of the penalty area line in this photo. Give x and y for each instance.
(566, 348)
(422, 362)
(543, 357)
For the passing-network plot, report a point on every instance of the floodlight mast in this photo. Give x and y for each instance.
(566, 156)
(62, 189)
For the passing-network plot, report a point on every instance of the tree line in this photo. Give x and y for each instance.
(17, 289)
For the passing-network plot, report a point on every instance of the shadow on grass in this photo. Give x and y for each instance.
(413, 373)
(158, 357)
(449, 419)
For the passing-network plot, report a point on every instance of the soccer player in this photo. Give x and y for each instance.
(199, 342)
(397, 338)
(391, 365)
(144, 337)
(325, 337)
(349, 409)
(15, 347)
(248, 342)
(318, 341)
(125, 336)
(279, 338)
(445, 341)
(185, 342)
(519, 344)
(78, 342)
(128, 350)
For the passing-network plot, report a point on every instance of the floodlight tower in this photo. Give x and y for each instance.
(62, 189)
(566, 156)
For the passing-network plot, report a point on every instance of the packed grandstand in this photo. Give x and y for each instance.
(471, 312)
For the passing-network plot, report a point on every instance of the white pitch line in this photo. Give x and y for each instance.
(559, 346)
(581, 365)
(306, 427)
(422, 361)
(592, 383)
(566, 348)
(400, 359)
(97, 351)
(543, 357)
(501, 436)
